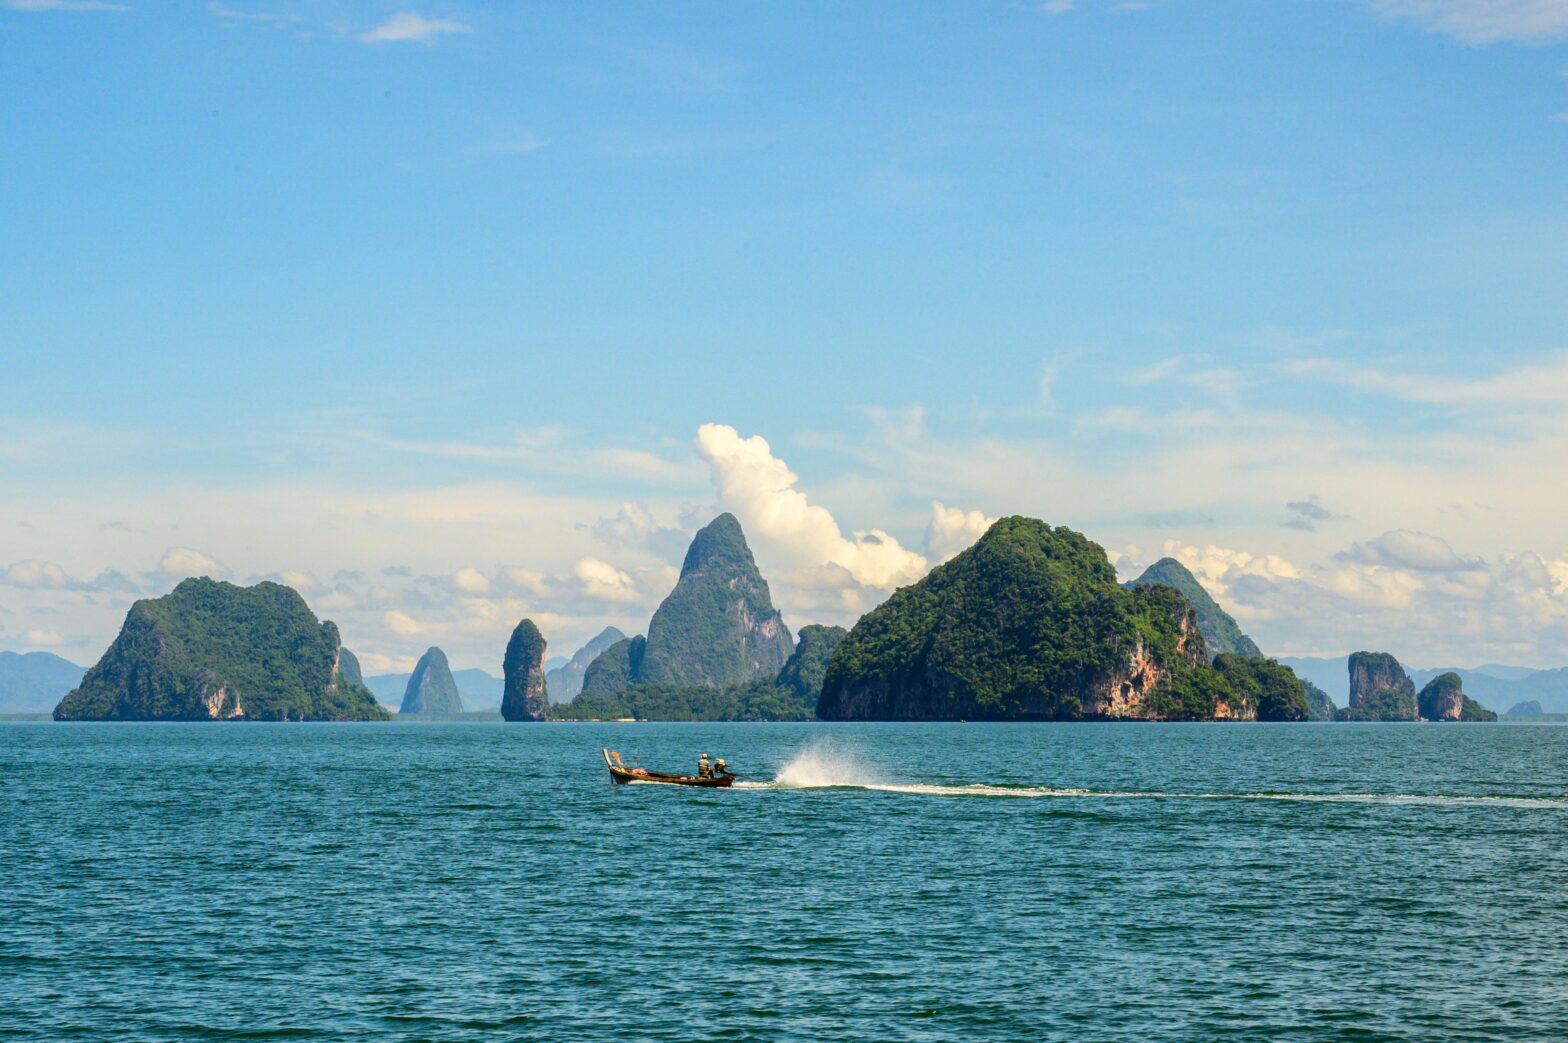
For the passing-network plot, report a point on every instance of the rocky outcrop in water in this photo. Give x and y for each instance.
(563, 683)
(1220, 633)
(523, 698)
(1444, 699)
(215, 651)
(807, 666)
(431, 688)
(1379, 689)
(1028, 624)
(718, 627)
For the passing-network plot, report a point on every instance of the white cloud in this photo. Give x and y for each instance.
(402, 624)
(470, 581)
(1057, 6)
(39, 575)
(1484, 21)
(412, 26)
(181, 562)
(952, 530)
(300, 581)
(44, 639)
(62, 5)
(1404, 549)
(605, 582)
(760, 489)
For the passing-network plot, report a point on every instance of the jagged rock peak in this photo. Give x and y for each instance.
(523, 698)
(718, 627)
(431, 687)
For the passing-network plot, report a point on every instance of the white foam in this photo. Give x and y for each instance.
(822, 765)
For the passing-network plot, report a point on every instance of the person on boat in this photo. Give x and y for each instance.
(719, 767)
(703, 770)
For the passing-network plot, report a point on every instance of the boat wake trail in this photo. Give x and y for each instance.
(824, 767)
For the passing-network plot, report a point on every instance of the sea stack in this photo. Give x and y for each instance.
(431, 688)
(1380, 690)
(523, 668)
(718, 627)
(1444, 699)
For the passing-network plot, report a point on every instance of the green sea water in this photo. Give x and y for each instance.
(883, 882)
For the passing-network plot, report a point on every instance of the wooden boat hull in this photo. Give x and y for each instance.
(621, 775)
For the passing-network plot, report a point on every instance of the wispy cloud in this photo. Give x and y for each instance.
(513, 141)
(62, 5)
(233, 14)
(412, 27)
(1484, 21)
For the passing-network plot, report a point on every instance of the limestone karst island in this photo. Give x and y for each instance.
(1028, 624)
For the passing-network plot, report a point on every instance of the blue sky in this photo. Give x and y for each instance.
(427, 307)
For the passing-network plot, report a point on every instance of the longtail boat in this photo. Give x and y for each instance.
(620, 774)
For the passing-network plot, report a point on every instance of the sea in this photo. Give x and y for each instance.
(871, 882)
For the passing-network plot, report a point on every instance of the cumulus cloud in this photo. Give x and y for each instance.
(410, 26)
(181, 562)
(44, 638)
(1403, 549)
(952, 529)
(1484, 21)
(605, 582)
(40, 575)
(402, 624)
(470, 581)
(634, 527)
(760, 489)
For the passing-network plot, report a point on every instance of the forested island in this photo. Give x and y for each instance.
(1028, 624)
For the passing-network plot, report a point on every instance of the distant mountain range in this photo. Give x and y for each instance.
(1494, 685)
(35, 682)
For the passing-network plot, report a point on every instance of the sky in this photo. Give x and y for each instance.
(451, 315)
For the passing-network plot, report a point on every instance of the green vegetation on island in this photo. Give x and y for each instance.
(807, 666)
(1271, 691)
(215, 651)
(1220, 632)
(718, 627)
(1028, 624)
(1320, 707)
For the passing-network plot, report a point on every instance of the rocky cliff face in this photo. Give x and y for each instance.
(1028, 624)
(523, 669)
(718, 627)
(1221, 635)
(563, 683)
(216, 651)
(1444, 699)
(1379, 689)
(431, 688)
